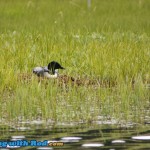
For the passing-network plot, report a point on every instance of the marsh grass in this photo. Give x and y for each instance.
(109, 42)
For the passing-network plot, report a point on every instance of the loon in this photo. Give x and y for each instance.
(50, 71)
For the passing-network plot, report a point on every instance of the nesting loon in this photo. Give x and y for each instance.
(50, 71)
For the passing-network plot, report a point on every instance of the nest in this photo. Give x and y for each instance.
(66, 80)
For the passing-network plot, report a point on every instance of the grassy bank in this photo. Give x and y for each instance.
(108, 42)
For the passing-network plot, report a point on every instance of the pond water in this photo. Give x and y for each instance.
(103, 135)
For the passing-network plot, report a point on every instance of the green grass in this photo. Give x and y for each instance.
(109, 41)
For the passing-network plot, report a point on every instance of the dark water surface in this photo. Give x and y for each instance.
(105, 135)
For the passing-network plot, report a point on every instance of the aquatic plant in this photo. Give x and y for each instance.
(108, 44)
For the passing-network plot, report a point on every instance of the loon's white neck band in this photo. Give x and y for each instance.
(55, 75)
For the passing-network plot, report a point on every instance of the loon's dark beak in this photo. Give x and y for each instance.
(62, 68)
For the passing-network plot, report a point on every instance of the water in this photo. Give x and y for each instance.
(107, 135)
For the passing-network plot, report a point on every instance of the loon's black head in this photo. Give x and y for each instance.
(52, 66)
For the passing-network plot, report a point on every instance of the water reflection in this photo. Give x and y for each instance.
(141, 137)
(118, 141)
(94, 136)
(93, 145)
(70, 139)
